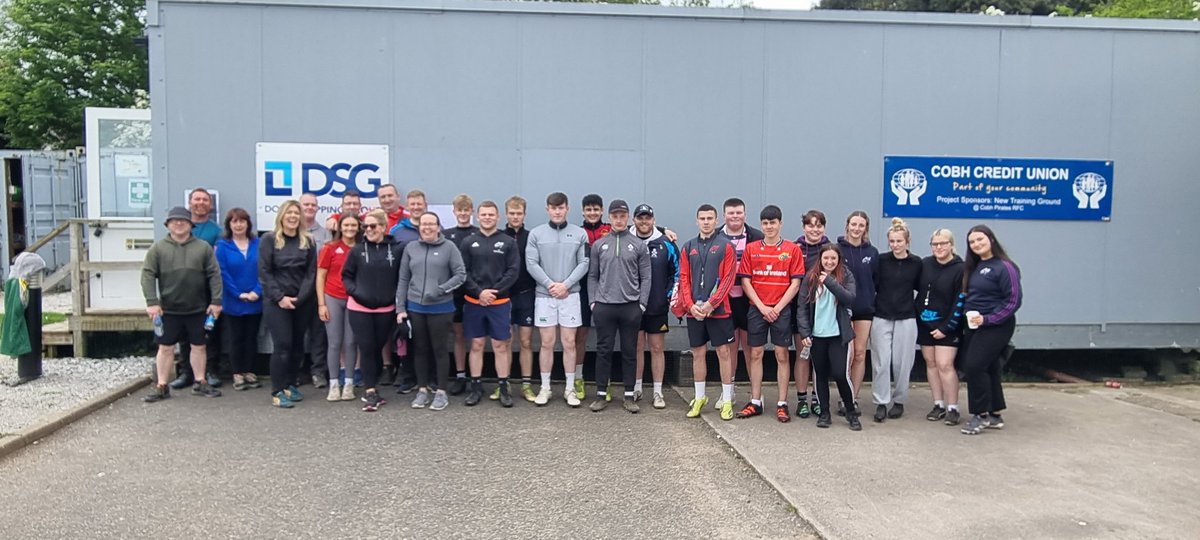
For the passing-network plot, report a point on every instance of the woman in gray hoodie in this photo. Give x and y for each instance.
(430, 270)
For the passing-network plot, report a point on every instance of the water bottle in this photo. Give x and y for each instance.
(158, 326)
(210, 322)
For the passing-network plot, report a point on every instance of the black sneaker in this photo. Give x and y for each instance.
(855, 425)
(160, 393)
(802, 409)
(897, 411)
(936, 413)
(205, 389)
(406, 387)
(213, 380)
(995, 421)
(975, 425)
(505, 397)
(952, 418)
(473, 397)
(372, 402)
(816, 408)
(184, 380)
(824, 420)
(880, 413)
(388, 377)
(458, 386)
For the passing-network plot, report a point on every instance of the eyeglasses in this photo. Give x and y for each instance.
(939, 244)
(370, 225)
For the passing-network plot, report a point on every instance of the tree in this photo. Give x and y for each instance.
(59, 56)
(1150, 9)
(1012, 7)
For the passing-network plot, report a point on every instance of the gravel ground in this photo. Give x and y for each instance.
(59, 302)
(66, 383)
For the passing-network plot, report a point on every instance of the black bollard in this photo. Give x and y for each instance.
(29, 365)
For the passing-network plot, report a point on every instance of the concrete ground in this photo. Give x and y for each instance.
(233, 467)
(1080, 462)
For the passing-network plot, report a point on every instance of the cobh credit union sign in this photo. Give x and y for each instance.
(997, 188)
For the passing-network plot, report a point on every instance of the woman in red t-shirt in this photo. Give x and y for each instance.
(331, 307)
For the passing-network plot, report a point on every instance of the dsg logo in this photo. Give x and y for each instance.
(321, 179)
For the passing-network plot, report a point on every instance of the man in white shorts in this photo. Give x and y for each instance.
(556, 256)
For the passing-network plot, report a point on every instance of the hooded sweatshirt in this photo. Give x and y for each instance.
(858, 260)
(896, 282)
(557, 253)
(938, 303)
(181, 277)
(429, 273)
(372, 271)
(619, 269)
(404, 232)
(664, 271)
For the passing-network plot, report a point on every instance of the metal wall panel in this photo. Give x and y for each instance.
(678, 107)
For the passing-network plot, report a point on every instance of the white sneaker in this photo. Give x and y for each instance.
(659, 402)
(335, 393)
(543, 397)
(348, 392)
(637, 395)
(718, 404)
(571, 397)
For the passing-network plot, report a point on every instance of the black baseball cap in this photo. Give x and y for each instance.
(618, 205)
(643, 210)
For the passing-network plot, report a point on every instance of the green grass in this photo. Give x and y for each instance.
(49, 317)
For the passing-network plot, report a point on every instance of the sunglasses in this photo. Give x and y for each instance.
(939, 244)
(370, 225)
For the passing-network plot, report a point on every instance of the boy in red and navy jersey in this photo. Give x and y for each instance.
(770, 274)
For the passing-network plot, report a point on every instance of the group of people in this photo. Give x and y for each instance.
(364, 290)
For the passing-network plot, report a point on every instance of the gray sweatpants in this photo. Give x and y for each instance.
(342, 351)
(893, 347)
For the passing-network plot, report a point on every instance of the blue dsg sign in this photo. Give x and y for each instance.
(997, 188)
(287, 170)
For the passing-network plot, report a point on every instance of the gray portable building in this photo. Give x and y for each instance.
(682, 106)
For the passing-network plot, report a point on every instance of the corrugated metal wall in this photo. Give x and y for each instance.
(679, 107)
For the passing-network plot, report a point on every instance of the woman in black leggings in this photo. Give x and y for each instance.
(369, 277)
(992, 295)
(824, 325)
(287, 268)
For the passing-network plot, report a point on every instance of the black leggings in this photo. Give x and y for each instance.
(830, 357)
(982, 363)
(243, 340)
(608, 320)
(371, 333)
(287, 327)
(430, 350)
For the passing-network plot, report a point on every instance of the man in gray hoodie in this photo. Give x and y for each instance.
(430, 270)
(556, 257)
(619, 288)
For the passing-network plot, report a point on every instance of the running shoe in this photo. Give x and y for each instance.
(206, 390)
(160, 393)
(239, 382)
(293, 394)
(279, 399)
(252, 381)
(348, 392)
(571, 397)
(995, 421)
(936, 413)
(458, 386)
(580, 389)
(659, 402)
(750, 410)
(543, 397)
(816, 408)
(718, 404)
(527, 393)
(897, 411)
(335, 393)
(975, 425)
(637, 395)
(440, 401)
(823, 420)
(421, 400)
(727, 410)
(372, 402)
(505, 397)
(475, 395)
(952, 417)
(855, 425)
(880, 413)
(782, 414)
(696, 405)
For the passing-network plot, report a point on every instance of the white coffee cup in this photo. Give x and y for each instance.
(971, 315)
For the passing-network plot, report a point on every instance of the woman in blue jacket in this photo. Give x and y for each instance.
(992, 295)
(237, 255)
